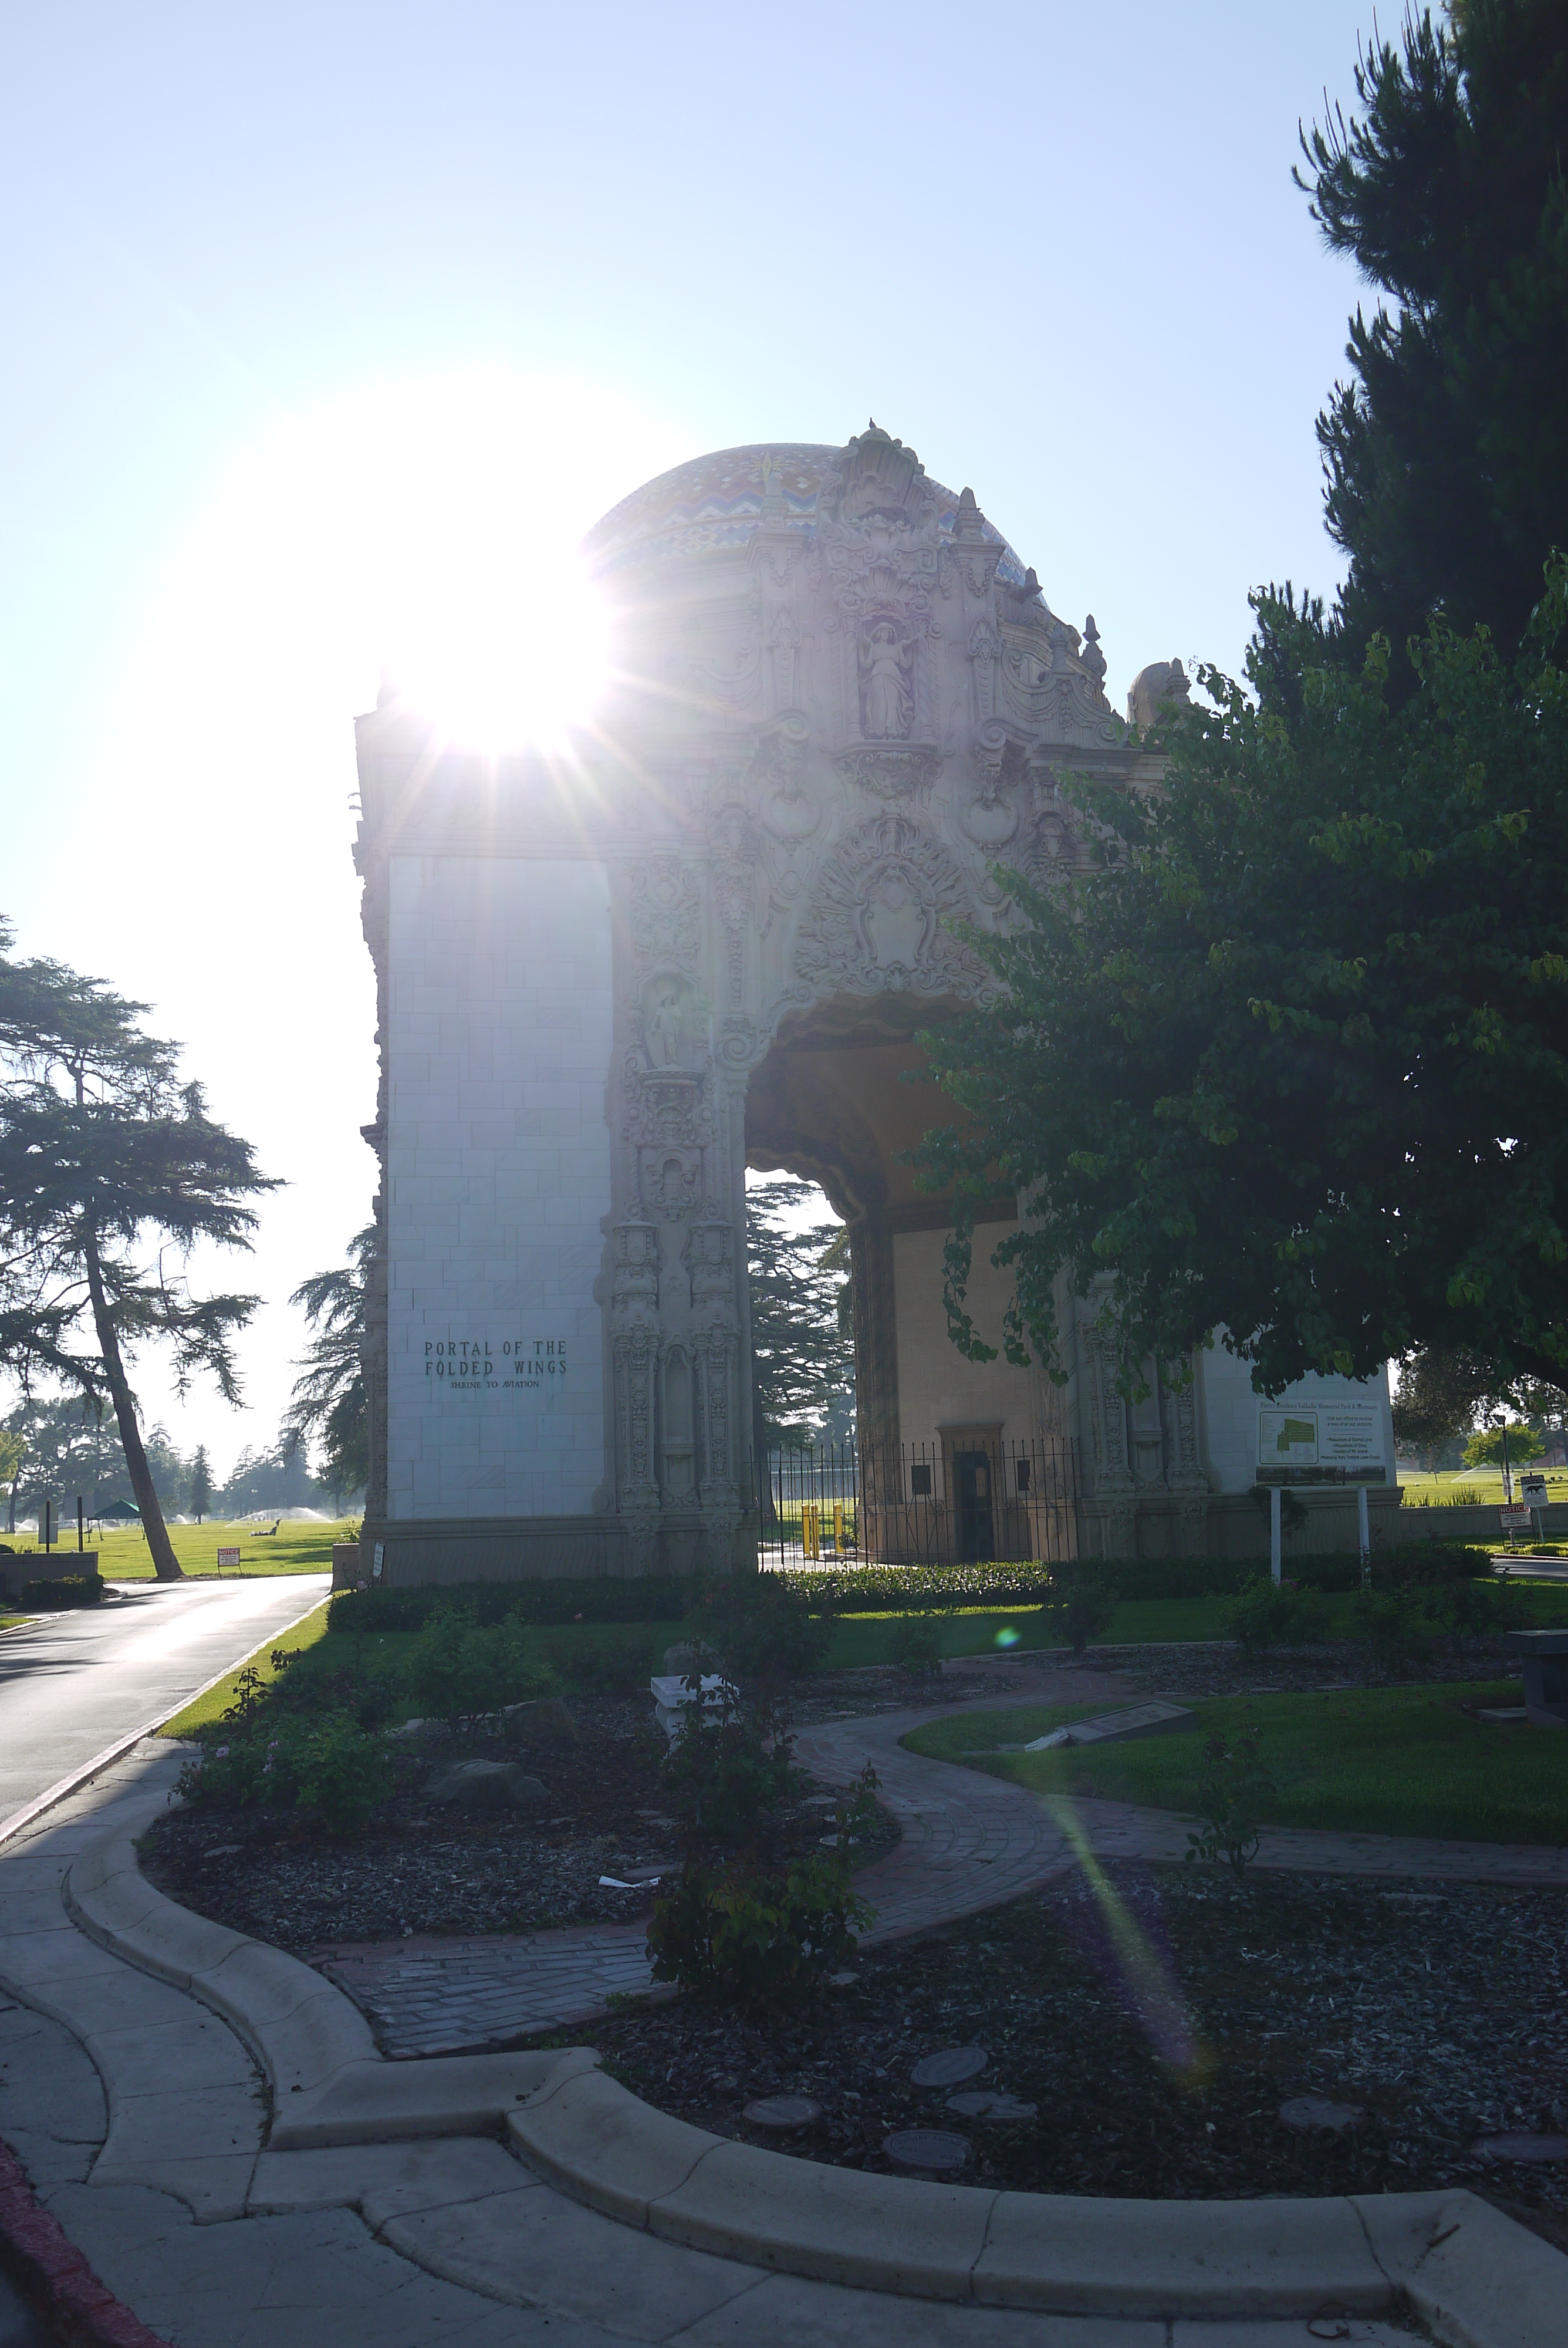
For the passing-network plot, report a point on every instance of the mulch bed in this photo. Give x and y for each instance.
(422, 1868)
(1160, 2030)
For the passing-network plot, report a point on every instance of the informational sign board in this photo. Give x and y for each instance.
(376, 1561)
(1336, 1440)
(1517, 1518)
(1532, 1491)
(228, 1557)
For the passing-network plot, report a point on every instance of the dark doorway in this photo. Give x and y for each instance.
(976, 1525)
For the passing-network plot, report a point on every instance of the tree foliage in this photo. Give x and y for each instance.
(110, 1171)
(328, 1408)
(1443, 453)
(802, 1339)
(1486, 1449)
(1290, 1057)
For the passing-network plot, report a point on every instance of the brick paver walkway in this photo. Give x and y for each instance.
(969, 1842)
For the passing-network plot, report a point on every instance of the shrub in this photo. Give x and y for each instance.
(761, 1939)
(463, 1673)
(1082, 1610)
(1268, 1614)
(724, 1773)
(1393, 1623)
(917, 1648)
(63, 1589)
(327, 1767)
(1232, 1794)
(614, 1666)
(640, 1598)
(764, 1633)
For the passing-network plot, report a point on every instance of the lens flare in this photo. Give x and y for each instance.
(1145, 1978)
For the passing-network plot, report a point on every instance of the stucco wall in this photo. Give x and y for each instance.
(937, 1386)
(498, 1173)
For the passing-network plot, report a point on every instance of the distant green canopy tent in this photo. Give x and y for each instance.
(119, 1512)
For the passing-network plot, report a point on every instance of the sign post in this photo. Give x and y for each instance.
(1333, 1439)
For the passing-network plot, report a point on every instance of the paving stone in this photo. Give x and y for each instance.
(782, 2113)
(978, 2106)
(1318, 2111)
(951, 2067)
(1521, 2144)
(933, 2151)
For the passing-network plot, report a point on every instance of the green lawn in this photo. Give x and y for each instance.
(308, 1633)
(292, 1548)
(1375, 1761)
(1453, 1484)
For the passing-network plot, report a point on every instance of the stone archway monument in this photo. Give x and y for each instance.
(609, 982)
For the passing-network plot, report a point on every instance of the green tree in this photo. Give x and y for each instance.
(110, 1171)
(1443, 453)
(802, 1343)
(200, 1485)
(13, 1449)
(1486, 1449)
(1291, 1056)
(1437, 1399)
(328, 1407)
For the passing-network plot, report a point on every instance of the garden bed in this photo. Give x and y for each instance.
(418, 1867)
(1160, 2031)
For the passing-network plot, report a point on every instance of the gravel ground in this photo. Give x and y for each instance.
(421, 1869)
(1159, 2026)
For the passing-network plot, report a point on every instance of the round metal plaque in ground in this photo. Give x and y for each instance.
(1522, 2143)
(978, 2105)
(782, 2113)
(1318, 2112)
(937, 2152)
(950, 2068)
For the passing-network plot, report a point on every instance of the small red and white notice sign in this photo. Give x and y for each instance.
(1514, 1516)
(228, 1557)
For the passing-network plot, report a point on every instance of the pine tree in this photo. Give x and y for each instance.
(329, 1397)
(201, 1484)
(110, 1167)
(803, 1345)
(1446, 484)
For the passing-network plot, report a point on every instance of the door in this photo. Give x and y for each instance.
(977, 1524)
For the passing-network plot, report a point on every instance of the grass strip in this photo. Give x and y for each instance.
(1401, 1760)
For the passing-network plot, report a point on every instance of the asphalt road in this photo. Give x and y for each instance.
(72, 1684)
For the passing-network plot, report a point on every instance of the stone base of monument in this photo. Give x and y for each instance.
(1545, 1654)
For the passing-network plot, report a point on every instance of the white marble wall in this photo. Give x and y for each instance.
(1231, 1408)
(499, 1047)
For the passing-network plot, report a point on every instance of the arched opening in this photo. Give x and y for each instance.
(952, 1460)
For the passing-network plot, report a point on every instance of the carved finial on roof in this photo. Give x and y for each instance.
(1091, 656)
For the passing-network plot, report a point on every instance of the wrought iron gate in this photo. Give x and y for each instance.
(973, 1498)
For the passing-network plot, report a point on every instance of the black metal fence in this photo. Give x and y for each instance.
(948, 1503)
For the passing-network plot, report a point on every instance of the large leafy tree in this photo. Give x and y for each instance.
(1444, 450)
(110, 1171)
(1291, 1056)
(328, 1407)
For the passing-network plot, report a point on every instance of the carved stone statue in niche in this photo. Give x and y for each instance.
(887, 704)
(664, 1026)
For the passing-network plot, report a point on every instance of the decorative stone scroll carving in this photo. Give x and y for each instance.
(874, 924)
(667, 913)
(891, 774)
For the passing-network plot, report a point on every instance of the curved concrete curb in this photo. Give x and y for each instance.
(51, 2275)
(312, 2042)
(1475, 2276)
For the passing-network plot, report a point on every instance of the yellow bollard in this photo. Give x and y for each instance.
(838, 1527)
(811, 1528)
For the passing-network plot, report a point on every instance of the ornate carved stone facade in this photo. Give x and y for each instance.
(841, 712)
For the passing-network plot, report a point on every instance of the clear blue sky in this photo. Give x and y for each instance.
(256, 256)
